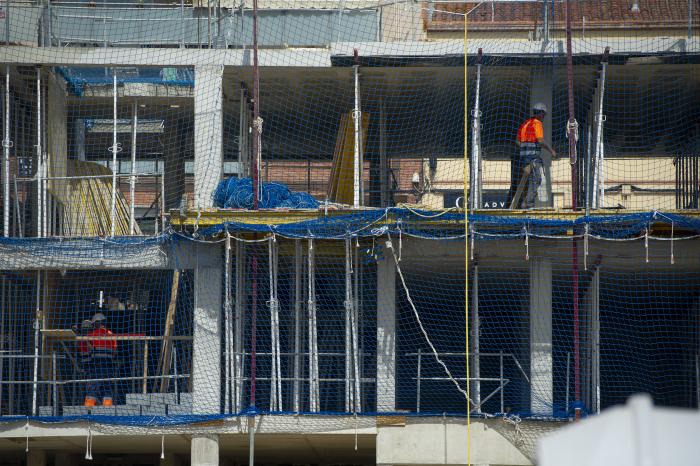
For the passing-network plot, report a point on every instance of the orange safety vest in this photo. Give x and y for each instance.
(531, 130)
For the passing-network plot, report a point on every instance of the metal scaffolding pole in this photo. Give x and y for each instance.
(475, 177)
(599, 180)
(313, 344)
(114, 152)
(475, 367)
(298, 304)
(132, 179)
(39, 158)
(227, 325)
(37, 326)
(238, 329)
(6, 144)
(348, 331)
(357, 125)
(276, 376)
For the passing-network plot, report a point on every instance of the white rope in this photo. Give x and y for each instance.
(162, 447)
(673, 261)
(390, 246)
(26, 432)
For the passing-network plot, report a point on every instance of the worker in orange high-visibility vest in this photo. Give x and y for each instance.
(530, 141)
(101, 364)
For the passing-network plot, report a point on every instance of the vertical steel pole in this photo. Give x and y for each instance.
(227, 324)
(6, 143)
(37, 316)
(475, 365)
(599, 118)
(313, 344)
(357, 124)
(418, 379)
(114, 152)
(348, 337)
(39, 158)
(238, 329)
(500, 376)
(132, 178)
(2, 340)
(243, 155)
(475, 176)
(54, 384)
(297, 323)
(162, 201)
(568, 369)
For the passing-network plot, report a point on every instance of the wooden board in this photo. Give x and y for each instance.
(59, 333)
(521, 186)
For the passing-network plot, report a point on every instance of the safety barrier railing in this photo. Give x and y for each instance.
(295, 361)
(477, 400)
(49, 364)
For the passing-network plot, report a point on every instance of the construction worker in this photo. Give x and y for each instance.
(101, 364)
(530, 141)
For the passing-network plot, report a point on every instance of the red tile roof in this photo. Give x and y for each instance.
(598, 14)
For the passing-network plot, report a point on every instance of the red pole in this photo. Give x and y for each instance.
(572, 133)
(257, 122)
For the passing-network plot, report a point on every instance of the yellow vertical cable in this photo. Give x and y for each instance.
(466, 244)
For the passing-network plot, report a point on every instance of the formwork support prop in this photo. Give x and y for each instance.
(228, 330)
(352, 369)
(238, 329)
(599, 157)
(132, 178)
(314, 405)
(474, 364)
(357, 125)
(39, 158)
(475, 176)
(276, 378)
(114, 151)
(6, 144)
(298, 305)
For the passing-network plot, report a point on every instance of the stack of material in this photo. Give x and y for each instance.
(88, 203)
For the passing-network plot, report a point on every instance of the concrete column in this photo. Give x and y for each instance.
(386, 333)
(36, 458)
(541, 389)
(174, 163)
(206, 364)
(204, 450)
(208, 143)
(542, 92)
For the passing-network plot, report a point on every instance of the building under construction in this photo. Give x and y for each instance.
(294, 231)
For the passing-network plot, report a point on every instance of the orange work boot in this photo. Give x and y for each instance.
(90, 402)
(106, 402)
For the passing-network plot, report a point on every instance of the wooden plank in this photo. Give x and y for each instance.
(521, 186)
(59, 333)
(167, 347)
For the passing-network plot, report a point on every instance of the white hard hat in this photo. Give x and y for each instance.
(539, 107)
(98, 317)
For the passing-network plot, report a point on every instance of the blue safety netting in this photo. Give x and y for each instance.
(77, 78)
(299, 317)
(237, 193)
